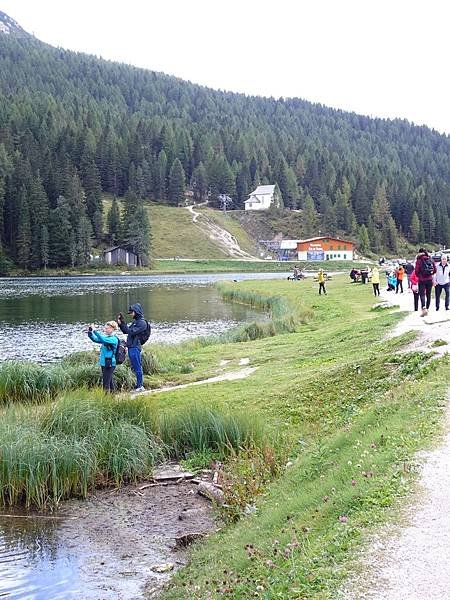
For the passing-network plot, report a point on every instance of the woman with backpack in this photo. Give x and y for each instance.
(107, 360)
(425, 269)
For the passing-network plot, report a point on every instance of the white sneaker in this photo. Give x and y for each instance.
(424, 312)
(140, 389)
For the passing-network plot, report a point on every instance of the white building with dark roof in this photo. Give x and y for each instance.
(263, 198)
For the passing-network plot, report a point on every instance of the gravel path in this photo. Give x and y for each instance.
(411, 561)
(435, 326)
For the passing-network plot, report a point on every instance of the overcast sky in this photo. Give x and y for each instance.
(387, 58)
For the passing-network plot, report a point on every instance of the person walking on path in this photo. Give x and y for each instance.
(442, 281)
(376, 281)
(107, 360)
(425, 269)
(409, 270)
(321, 279)
(134, 332)
(415, 289)
(399, 273)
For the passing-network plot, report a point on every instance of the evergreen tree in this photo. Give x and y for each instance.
(113, 220)
(199, 182)
(161, 176)
(84, 236)
(44, 249)
(60, 235)
(415, 228)
(310, 217)
(176, 183)
(23, 242)
(137, 235)
(363, 239)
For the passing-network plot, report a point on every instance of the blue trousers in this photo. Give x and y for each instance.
(134, 354)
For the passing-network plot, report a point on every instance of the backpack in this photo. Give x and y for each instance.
(120, 353)
(427, 267)
(146, 334)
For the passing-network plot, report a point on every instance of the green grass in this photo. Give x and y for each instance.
(87, 439)
(352, 414)
(248, 266)
(22, 381)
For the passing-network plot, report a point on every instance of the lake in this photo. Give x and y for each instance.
(43, 319)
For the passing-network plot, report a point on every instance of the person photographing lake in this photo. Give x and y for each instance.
(107, 360)
(136, 331)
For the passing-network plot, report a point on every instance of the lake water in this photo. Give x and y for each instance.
(42, 319)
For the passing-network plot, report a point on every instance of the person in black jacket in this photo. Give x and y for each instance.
(134, 332)
(409, 268)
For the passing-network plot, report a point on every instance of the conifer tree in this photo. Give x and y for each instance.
(363, 239)
(137, 235)
(113, 220)
(199, 182)
(415, 228)
(84, 244)
(161, 177)
(176, 183)
(23, 241)
(60, 234)
(309, 217)
(44, 248)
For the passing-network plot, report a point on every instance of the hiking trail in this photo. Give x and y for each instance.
(221, 236)
(410, 560)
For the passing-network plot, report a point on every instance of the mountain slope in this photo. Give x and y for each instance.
(75, 126)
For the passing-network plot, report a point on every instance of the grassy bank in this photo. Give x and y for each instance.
(88, 439)
(244, 266)
(353, 414)
(171, 266)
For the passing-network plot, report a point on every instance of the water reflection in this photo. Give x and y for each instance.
(43, 319)
(32, 563)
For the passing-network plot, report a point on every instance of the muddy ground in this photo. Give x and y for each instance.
(116, 545)
(121, 538)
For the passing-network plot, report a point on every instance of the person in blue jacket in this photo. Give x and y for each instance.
(107, 360)
(134, 331)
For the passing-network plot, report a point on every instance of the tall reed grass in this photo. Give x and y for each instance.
(87, 438)
(29, 382)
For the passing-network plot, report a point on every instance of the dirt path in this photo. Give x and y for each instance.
(220, 235)
(411, 561)
(230, 376)
(435, 326)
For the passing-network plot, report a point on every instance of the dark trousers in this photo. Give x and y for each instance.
(108, 379)
(437, 291)
(408, 277)
(425, 288)
(134, 354)
(322, 287)
(399, 285)
(416, 300)
(376, 289)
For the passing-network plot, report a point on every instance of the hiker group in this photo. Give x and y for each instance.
(115, 350)
(422, 277)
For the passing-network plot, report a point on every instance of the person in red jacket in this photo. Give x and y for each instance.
(425, 269)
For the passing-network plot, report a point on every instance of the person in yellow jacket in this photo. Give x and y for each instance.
(376, 281)
(321, 278)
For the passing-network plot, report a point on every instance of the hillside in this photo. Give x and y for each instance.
(74, 126)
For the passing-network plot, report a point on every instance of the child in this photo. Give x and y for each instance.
(414, 281)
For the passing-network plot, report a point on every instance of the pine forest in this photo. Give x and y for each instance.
(73, 127)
